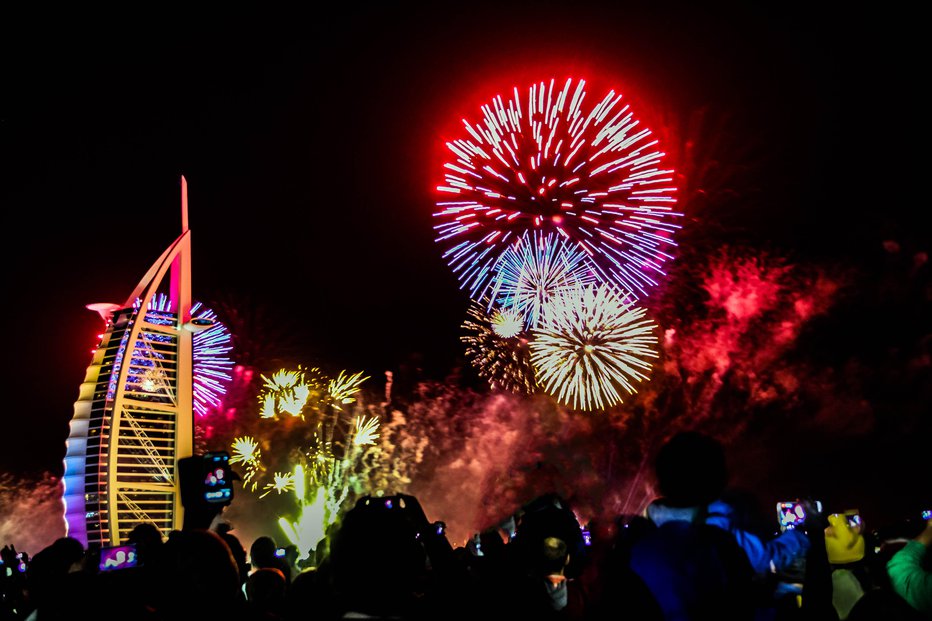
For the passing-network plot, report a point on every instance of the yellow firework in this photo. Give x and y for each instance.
(343, 388)
(284, 392)
(365, 430)
(246, 451)
(282, 482)
(590, 343)
(332, 467)
(503, 362)
(507, 323)
(313, 517)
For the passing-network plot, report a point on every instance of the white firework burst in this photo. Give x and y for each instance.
(590, 344)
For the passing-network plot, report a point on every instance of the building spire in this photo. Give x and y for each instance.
(184, 204)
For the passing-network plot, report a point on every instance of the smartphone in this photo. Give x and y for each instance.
(927, 515)
(790, 514)
(280, 552)
(20, 563)
(118, 557)
(587, 537)
(854, 520)
(218, 483)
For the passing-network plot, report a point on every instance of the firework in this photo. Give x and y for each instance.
(281, 482)
(323, 484)
(319, 457)
(365, 431)
(211, 365)
(342, 389)
(287, 392)
(246, 451)
(535, 269)
(594, 176)
(321, 451)
(506, 323)
(503, 362)
(313, 517)
(590, 343)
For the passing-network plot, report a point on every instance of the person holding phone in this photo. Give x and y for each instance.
(908, 575)
(694, 570)
(846, 551)
(775, 555)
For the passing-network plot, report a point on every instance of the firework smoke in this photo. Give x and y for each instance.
(31, 512)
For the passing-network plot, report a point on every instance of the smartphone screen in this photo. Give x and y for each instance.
(218, 486)
(790, 514)
(118, 557)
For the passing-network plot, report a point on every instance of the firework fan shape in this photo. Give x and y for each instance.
(535, 269)
(504, 362)
(246, 451)
(548, 162)
(294, 392)
(212, 366)
(590, 343)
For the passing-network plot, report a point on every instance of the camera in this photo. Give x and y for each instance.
(118, 557)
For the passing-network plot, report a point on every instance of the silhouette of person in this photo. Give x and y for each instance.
(694, 570)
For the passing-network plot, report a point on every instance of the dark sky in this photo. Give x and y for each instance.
(312, 144)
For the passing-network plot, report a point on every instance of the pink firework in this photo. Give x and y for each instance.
(593, 175)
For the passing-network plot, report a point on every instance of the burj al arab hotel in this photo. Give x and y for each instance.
(133, 419)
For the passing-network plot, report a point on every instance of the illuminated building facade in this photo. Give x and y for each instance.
(133, 419)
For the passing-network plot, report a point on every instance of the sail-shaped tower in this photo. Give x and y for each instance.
(133, 419)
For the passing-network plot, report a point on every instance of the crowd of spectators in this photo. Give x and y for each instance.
(695, 553)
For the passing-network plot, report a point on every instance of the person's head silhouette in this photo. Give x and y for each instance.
(690, 469)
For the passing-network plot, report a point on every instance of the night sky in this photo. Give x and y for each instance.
(312, 145)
